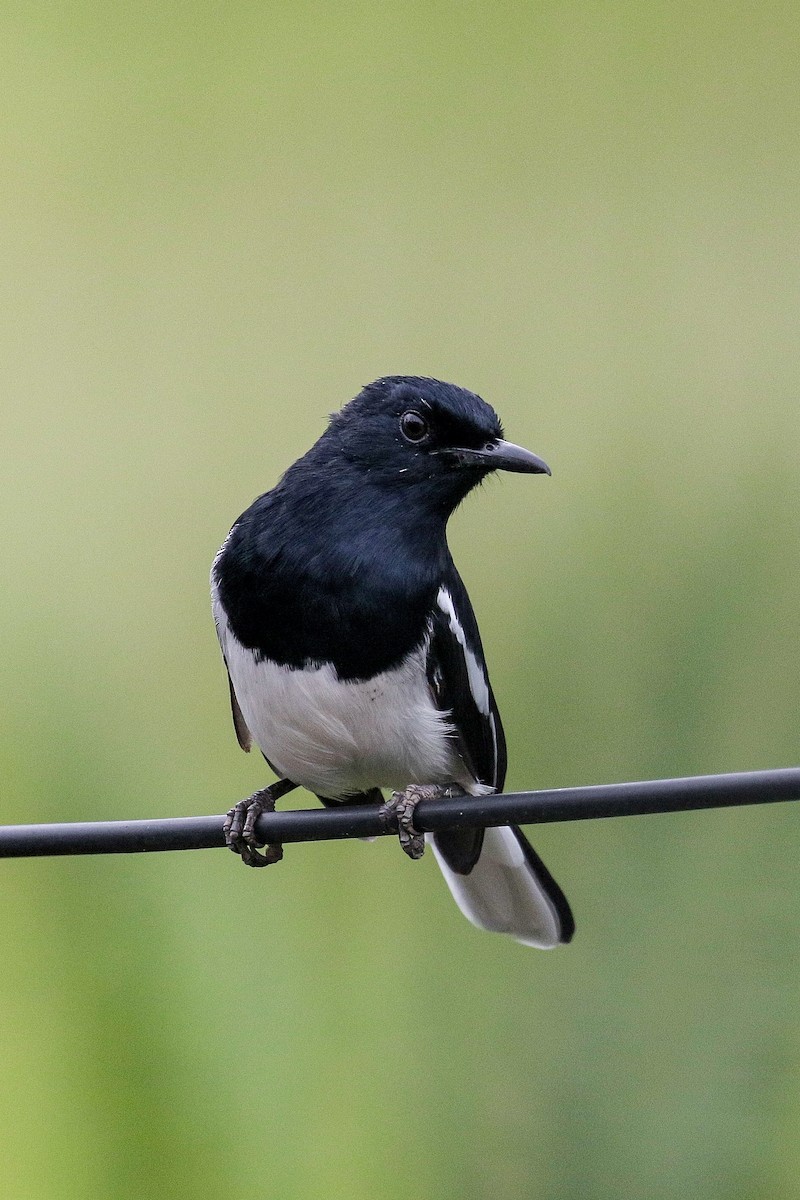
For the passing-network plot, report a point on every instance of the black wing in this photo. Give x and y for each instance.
(243, 734)
(460, 686)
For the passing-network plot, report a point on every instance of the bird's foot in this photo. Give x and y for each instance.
(240, 830)
(398, 814)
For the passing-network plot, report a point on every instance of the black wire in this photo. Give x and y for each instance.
(348, 821)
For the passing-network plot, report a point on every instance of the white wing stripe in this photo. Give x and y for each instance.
(477, 680)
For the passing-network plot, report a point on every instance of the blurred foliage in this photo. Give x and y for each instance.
(218, 221)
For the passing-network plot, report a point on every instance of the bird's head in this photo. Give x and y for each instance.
(406, 430)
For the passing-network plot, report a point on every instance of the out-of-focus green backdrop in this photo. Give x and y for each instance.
(218, 221)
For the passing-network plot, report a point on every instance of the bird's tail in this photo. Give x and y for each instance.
(510, 890)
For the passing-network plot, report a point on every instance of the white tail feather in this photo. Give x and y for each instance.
(502, 893)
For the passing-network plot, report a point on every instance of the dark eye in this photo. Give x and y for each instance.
(413, 427)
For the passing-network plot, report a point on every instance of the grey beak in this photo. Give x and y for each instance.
(502, 456)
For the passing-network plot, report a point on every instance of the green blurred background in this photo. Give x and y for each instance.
(218, 221)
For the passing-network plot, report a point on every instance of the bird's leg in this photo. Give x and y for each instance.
(240, 825)
(398, 814)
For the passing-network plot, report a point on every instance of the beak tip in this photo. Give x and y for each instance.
(500, 455)
(516, 458)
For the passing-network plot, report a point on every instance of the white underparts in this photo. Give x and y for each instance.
(336, 737)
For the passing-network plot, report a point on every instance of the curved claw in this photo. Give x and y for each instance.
(239, 830)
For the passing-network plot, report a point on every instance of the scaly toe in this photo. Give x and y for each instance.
(398, 813)
(239, 830)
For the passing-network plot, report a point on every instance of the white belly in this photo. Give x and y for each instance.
(336, 737)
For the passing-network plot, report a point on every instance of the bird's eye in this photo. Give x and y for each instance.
(413, 427)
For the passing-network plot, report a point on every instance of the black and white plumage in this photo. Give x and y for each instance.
(354, 657)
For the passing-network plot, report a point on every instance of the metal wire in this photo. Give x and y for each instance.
(351, 821)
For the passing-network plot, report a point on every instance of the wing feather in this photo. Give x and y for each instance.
(510, 889)
(243, 734)
(460, 685)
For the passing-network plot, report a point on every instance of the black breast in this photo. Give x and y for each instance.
(309, 583)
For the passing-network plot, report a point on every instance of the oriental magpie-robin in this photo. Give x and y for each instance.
(353, 653)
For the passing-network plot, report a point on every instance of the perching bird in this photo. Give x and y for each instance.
(353, 653)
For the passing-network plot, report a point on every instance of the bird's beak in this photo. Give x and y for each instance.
(502, 456)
